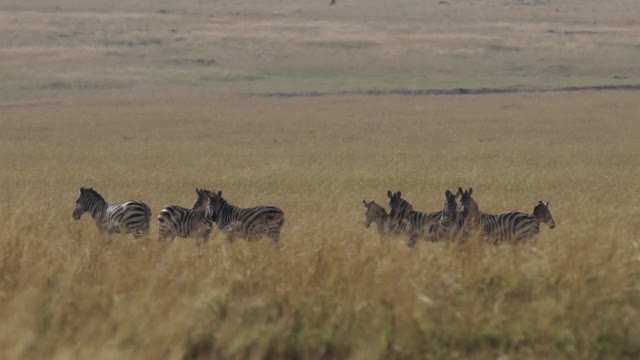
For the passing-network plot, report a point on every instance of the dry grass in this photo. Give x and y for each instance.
(148, 100)
(333, 289)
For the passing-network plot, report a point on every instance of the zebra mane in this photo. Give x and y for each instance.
(202, 199)
(91, 193)
(224, 202)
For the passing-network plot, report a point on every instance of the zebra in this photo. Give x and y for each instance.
(406, 220)
(506, 227)
(376, 214)
(249, 223)
(131, 217)
(451, 221)
(183, 222)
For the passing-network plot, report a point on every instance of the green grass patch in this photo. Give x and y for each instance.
(80, 85)
(344, 45)
(503, 48)
(231, 77)
(132, 43)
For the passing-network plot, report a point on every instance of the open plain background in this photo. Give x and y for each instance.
(271, 103)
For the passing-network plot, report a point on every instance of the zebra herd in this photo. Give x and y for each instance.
(133, 217)
(455, 221)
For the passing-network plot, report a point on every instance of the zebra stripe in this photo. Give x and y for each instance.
(506, 227)
(376, 214)
(405, 220)
(128, 217)
(450, 222)
(249, 223)
(178, 221)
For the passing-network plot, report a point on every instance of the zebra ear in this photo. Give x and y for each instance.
(460, 191)
(81, 189)
(389, 194)
(399, 194)
(365, 203)
(220, 193)
(539, 201)
(547, 204)
(470, 191)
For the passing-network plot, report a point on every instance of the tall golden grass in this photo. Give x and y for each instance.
(333, 289)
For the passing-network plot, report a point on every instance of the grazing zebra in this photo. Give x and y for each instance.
(127, 217)
(406, 220)
(249, 223)
(511, 226)
(376, 214)
(183, 222)
(451, 222)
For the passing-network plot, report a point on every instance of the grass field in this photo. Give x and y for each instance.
(111, 98)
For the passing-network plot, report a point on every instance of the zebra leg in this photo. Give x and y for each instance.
(106, 236)
(275, 236)
(139, 232)
(166, 234)
(205, 237)
(412, 240)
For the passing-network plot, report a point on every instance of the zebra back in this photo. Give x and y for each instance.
(403, 219)
(183, 222)
(250, 223)
(129, 217)
(506, 227)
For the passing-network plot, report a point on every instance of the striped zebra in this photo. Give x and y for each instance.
(405, 220)
(506, 227)
(183, 222)
(131, 217)
(451, 221)
(376, 214)
(249, 223)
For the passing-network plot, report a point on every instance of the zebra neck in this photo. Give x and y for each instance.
(446, 221)
(448, 215)
(98, 209)
(477, 219)
(538, 220)
(227, 214)
(199, 204)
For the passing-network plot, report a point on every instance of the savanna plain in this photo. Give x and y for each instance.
(268, 103)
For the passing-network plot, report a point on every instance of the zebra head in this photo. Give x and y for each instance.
(450, 203)
(216, 202)
(468, 206)
(374, 212)
(86, 202)
(542, 212)
(400, 208)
